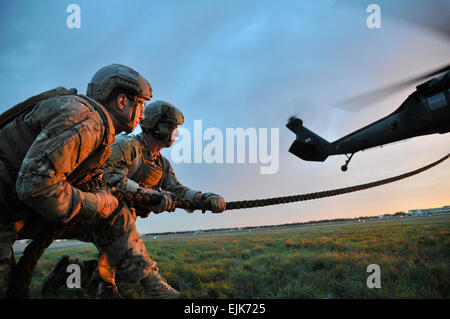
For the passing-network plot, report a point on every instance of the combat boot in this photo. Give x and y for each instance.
(157, 287)
(57, 277)
(107, 291)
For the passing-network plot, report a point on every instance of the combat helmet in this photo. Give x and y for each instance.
(114, 76)
(161, 118)
(118, 76)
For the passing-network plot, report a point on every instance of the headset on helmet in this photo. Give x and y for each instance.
(161, 118)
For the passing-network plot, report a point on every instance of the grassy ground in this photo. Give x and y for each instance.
(310, 261)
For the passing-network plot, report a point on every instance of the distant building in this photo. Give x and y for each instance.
(419, 212)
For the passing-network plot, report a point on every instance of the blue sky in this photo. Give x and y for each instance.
(249, 64)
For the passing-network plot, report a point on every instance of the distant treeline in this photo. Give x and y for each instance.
(322, 221)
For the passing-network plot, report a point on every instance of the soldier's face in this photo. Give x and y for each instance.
(132, 111)
(138, 104)
(172, 137)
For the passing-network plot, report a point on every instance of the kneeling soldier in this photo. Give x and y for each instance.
(136, 164)
(51, 146)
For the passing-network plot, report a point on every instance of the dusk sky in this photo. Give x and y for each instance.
(251, 65)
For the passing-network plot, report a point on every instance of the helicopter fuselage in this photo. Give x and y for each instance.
(418, 115)
(425, 111)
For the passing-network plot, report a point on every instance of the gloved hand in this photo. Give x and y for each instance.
(167, 202)
(218, 203)
(106, 203)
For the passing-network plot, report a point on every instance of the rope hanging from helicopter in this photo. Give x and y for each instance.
(142, 198)
(24, 269)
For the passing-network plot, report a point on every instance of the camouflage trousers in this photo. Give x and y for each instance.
(121, 251)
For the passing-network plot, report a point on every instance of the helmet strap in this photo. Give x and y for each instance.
(127, 123)
(163, 133)
(132, 119)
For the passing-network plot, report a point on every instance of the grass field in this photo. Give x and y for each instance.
(309, 261)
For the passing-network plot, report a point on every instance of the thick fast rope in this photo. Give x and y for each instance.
(23, 272)
(142, 199)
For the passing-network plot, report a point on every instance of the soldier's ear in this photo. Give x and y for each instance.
(121, 101)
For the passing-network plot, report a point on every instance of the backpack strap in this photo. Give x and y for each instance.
(110, 132)
(95, 162)
(26, 105)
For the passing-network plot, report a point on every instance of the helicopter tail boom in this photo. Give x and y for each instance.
(308, 145)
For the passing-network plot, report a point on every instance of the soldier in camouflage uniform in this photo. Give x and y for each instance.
(136, 164)
(53, 144)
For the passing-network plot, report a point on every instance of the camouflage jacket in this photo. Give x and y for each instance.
(43, 150)
(131, 165)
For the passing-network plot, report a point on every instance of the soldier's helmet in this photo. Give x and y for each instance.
(161, 118)
(114, 76)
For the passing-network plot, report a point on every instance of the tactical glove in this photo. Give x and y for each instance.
(167, 202)
(218, 203)
(100, 204)
(106, 203)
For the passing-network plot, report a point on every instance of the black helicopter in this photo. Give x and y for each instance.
(425, 111)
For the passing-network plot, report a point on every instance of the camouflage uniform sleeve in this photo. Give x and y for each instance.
(172, 184)
(71, 131)
(125, 156)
